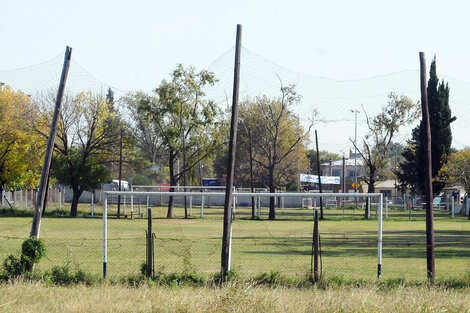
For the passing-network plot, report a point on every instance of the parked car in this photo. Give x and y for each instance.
(114, 186)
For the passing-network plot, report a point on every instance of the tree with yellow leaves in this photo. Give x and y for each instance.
(276, 135)
(457, 169)
(19, 160)
(87, 136)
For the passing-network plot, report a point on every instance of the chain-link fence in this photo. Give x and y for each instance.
(349, 243)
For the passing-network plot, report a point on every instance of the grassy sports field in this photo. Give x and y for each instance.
(349, 243)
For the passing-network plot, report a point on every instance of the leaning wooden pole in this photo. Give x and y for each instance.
(428, 178)
(227, 233)
(36, 226)
(319, 175)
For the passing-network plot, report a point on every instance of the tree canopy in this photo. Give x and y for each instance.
(398, 111)
(87, 136)
(412, 168)
(457, 169)
(19, 146)
(276, 135)
(187, 124)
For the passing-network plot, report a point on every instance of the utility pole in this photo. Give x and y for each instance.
(431, 270)
(36, 225)
(227, 232)
(319, 175)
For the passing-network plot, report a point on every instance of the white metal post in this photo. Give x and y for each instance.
(60, 200)
(148, 206)
(21, 197)
(452, 205)
(379, 261)
(234, 206)
(26, 197)
(410, 210)
(105, 236)
(386, 207)
(259, 208)
(190, 205)
(92, 203)
(202, 207)
(124, 206)
(132, 202)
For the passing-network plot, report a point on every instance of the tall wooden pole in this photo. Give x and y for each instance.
(428, 183)
(319, 175)
(227, 233)
(149, 244)
(36, 226)
(252, 185)
(315, 244)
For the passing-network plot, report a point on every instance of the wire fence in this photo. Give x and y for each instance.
(349, 242)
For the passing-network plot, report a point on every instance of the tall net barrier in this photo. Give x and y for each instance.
(348, 240)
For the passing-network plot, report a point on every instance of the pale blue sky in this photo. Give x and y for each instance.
(134, 44)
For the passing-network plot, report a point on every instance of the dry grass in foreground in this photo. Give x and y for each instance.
(30, 297)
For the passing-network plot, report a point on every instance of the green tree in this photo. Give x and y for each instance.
(19, 146)
(276, 135)
(398, 112)
(325, 157)
(441, 136)
(457, 169)
(407, 171)
(87, 136)
(185, 121)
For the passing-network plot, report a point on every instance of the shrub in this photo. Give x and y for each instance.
(32, 250)
(218, 278)
(63, 275)
(13, 266)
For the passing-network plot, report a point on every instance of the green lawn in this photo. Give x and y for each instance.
(349, 243)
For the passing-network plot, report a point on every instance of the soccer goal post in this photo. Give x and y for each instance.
(259, 195)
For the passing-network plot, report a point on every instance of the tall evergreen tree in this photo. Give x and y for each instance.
(441, 137)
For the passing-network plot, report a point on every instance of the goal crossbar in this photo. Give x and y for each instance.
(242, 194)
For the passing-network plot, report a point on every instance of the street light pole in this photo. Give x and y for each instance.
(355, 151)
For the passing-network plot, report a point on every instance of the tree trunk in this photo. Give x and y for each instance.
(75, 197)
(169, 213)
(370, 189)
(272, 189)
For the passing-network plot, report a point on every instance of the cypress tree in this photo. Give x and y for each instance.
(441, 137)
